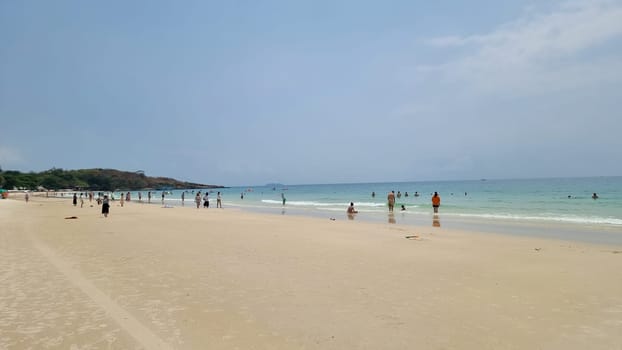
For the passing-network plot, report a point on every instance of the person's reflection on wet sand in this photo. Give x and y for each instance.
(436, 221)
(391, 218)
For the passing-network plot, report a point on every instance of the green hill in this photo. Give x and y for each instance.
(91, 179)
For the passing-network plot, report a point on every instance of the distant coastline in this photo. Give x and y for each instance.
(91, 179)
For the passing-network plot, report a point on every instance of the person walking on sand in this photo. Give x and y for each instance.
(391, 200)
(219, 201)
(436, 202)
(105, 207)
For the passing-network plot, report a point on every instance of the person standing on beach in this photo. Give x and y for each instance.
(162, 197)
(436, 202)
(197, 199)
(206, 200)
(75, 199)
(391, 200)
(26, 197)
(219, 201)
(283, 197)
(122, 200)
(183, 196)
(149, 197)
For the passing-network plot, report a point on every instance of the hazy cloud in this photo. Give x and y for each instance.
(8, 157)
(539, 52)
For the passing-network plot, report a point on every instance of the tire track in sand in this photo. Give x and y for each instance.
(131, 325)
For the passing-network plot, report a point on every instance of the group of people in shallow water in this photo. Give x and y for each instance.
(399, 194)
(436, 202)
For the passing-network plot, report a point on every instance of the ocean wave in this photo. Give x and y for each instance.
(594, 220)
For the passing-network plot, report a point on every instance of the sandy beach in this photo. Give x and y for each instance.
(149, 277)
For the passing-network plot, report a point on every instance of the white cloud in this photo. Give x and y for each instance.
(539, 52)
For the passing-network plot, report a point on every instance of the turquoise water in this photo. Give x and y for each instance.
(524, 201)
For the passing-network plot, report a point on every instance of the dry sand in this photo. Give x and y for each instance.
(180, 278)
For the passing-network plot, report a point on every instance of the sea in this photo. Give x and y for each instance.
(551, 207)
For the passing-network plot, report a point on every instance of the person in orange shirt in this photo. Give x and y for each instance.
(436, 202)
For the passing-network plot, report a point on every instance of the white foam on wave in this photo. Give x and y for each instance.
(321, 204)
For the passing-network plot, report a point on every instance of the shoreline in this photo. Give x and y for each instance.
(551, 229)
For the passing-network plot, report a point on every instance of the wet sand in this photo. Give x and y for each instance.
(149, 277)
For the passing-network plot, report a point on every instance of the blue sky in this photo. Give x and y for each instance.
(251, 92)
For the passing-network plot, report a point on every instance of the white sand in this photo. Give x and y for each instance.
(181, 278)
